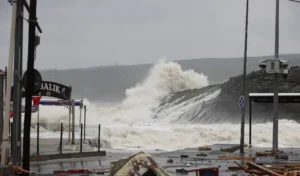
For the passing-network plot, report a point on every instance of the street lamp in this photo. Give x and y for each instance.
(275, 67)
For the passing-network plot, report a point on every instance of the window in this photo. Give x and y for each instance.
(272, 65)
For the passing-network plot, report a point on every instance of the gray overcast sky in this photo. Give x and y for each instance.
(84, 33)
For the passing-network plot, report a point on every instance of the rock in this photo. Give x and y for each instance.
(225, 105)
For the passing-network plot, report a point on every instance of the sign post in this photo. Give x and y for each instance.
(80, 112)
(84, 116)
(36, 101)
(241, 101)
(73, 122)
(70, 113)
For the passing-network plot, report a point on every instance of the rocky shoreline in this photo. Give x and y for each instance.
(224, 107)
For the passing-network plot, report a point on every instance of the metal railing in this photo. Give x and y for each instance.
(53, 139)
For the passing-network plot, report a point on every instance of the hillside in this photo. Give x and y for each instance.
(218, 103)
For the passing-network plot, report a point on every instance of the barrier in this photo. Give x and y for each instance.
(78, 154)
(70, 104)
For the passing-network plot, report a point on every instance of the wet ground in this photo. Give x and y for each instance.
(192, 161)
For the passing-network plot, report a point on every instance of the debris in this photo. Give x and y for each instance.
(273, 170)
(202, 154)
(206, 171)
(237, 157)
(268, 153)
(184, 156)
(283, 165)
(232, 149)
(181, 171)
(205, 148)
(234, 168)
(283, 157)
(18, 169)
(71, 171)
(262, 169)
(170, 161)
(137, 164)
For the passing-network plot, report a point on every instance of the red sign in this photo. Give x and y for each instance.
(36, 100)
(11, 114)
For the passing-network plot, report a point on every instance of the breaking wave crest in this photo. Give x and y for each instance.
(139, 122)
(163, 79)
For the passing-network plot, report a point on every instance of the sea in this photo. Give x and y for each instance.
(129, 124)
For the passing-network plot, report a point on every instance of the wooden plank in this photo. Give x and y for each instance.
(284, 165)
(267, 153)
(262, 169)
(205, 148)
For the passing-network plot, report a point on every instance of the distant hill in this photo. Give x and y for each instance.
(108, 83)
(219, 103)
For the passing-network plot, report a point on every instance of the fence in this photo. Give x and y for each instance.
(52, 138)
(2, 76)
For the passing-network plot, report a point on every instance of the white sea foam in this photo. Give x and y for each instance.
(130, 124)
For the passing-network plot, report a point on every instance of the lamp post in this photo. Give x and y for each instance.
(242, 98)
(276, 67)
(275, 98)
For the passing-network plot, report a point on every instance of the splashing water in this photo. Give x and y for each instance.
(130, 124)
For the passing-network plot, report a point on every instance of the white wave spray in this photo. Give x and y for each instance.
(130, 124)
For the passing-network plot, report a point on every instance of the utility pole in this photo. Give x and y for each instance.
(275, 98)
(30, 83)
(20, 90)
(17, 97)
(6, 122)
(244, 82)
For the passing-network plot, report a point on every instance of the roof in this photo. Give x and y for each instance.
(272, 94)
(51, 102)
(268, 97)
(136, 165)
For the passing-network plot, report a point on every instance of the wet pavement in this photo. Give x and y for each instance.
(192, 160)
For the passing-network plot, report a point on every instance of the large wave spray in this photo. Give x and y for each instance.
(130, 124)
(163, 79)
